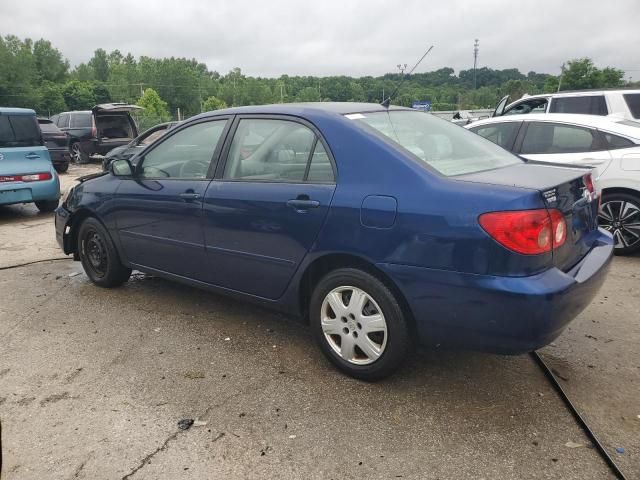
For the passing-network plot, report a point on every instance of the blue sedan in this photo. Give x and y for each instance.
(382, 227)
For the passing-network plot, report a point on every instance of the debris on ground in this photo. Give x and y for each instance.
(619, 449)
(194, 375)
(574, 445)
(185, 423)
(292, 437)
(227, 339)
(199, 423)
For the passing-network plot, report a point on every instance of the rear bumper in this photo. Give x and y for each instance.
(27, 192)
(500, 314)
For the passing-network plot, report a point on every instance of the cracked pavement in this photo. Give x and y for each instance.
(93, 383)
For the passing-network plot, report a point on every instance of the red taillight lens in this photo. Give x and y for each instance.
(31, 177)
(94, 130)
(529, 232)
(588, 182)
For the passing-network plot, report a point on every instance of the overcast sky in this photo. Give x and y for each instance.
(333, 37)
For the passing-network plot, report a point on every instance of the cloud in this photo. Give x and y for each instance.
(351, 37)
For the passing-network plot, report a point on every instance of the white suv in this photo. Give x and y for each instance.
(621, 103)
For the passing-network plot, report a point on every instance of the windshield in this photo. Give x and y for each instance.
(444, 146)
(19, 131)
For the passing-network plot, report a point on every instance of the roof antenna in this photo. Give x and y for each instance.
(387, 101)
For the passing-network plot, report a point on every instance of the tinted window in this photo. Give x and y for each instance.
(590, 105)
(633, 102)
(614, 141)
(538, 105)
(114, 126)
(19, 131)
(63, 121)
(320, 169)
(502, 134)
(49, 127)
(557, 138)
(81, 120)
(185, 155)
(442, 145)
(269, 150)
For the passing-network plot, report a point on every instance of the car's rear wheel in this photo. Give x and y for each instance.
(61, 167)
(77, 154)
(99, 257)
(359, 324)
(620, 215)
(46, 206)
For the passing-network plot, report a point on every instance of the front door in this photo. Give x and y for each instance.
(264, 213)
(159, 210)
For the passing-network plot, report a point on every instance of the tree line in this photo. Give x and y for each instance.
(37, 75)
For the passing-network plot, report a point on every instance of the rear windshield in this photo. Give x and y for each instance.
(633, 102)
(114, 126)
(19, 131)
(589, 105)
(80, 120)
(444, 146)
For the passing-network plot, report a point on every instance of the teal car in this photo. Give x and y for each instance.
(26, 172)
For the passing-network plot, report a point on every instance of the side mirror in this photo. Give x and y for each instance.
(121, 168)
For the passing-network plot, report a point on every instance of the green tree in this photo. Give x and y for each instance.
(50, 99)
(51, 66)
(581, 73)
(213, 103)
(79, 95)
(155, 109)
(99, 63)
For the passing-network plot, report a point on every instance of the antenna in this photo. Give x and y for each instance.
(387, 101)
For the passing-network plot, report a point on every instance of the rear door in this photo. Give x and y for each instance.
(500, 133)
(264, 210)
(159, 210)
(499, 110)
(21, 147)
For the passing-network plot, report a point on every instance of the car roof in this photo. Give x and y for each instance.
(609, 123)
(16, 111)
(302, 109)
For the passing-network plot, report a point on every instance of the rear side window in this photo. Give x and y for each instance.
(81, 120)
(614, 141)
(49, 127)
(63, 120)
(558, 138)
(502, 134)
(270, 150)
(589, 105)
(19, 131)
(633, 102)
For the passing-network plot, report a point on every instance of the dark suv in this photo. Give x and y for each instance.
(98, 130)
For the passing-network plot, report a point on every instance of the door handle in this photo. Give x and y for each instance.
(187, 196)
(32, 156)
(302, 205)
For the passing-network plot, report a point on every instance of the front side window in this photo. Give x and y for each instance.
(19, 131)
(588, 104)
(270, 150)
(502, 134)
(187, 154)
(537, 105)
(445, 147)
(557, 138)
(633, 102)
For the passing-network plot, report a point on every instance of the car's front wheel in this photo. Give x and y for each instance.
(99, 256)
(77, 154)
(620, 215)
(359, 324)
(46, 206)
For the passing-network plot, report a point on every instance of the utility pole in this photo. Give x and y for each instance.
(476, 47)
(561, 75)
(402, 67)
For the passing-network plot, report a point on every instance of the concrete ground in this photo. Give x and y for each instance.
(93, 383)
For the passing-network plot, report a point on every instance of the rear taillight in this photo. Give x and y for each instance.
(529, 232)
(31, 177)
(588, 182)
(94, 130)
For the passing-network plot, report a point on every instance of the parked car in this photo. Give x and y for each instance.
(57, 142)
(138, 144)
(621, 103)
(610, 146)
(96, 131)
(380, 226)
(26, 172)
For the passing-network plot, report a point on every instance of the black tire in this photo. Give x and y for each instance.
(62, 167)
(611, 218)
(99, 257)
(47, 206)
(398, 343)
(78, 155)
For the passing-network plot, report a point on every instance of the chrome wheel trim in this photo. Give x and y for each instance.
(76, 153)
(622, 219)
(354, 325)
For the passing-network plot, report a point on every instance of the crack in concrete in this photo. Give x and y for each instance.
(76, 474)
(146, 459)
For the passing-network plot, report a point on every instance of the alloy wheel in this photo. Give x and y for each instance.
(622, 219)
(354, 325)
(76, 153)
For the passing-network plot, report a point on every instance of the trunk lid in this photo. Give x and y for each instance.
(562, 188)
(115, 107)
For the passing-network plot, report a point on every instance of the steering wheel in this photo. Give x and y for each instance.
(194, 169)
(154, 172)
